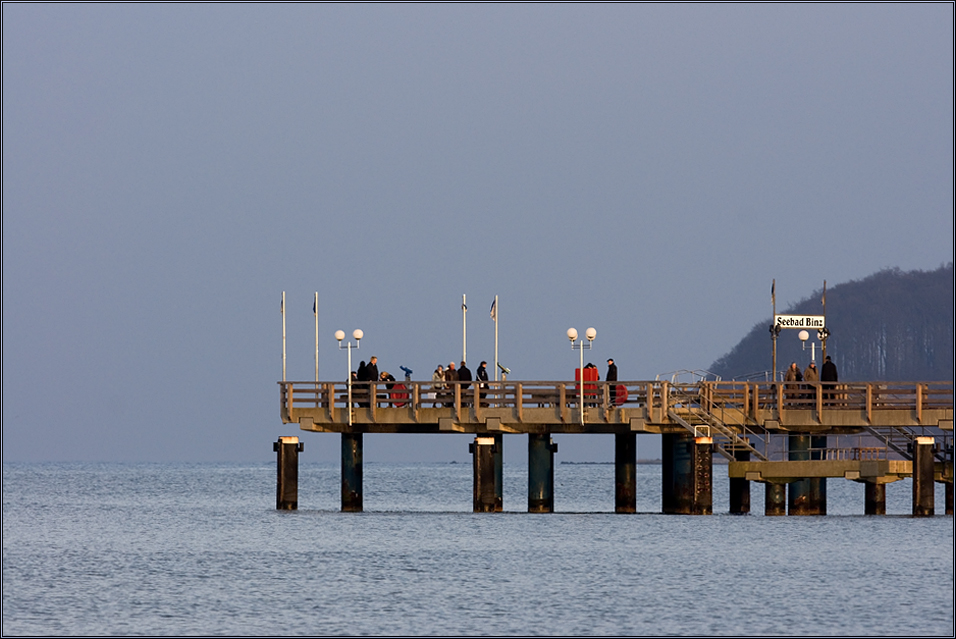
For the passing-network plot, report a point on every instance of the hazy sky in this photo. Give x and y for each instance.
(170, 169)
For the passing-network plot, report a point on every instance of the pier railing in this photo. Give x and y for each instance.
(748, 407)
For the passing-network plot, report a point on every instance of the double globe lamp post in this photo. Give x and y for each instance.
(358, 335)
(591, 333)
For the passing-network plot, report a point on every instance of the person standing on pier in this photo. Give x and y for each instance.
(612, 377)
(793, 375)
(451, 377)
(464, 375)
(361, 390)
(438, 379)
(810, 374)
(389, 380)
(591, 374)
(371, 375)
(482, 376)
(828, 375)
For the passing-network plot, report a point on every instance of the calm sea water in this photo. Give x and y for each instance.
(167, 549)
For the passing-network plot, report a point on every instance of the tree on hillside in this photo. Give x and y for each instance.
(891, 326)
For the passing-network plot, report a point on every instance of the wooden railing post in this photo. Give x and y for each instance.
(330, 396)
(476, 400)
(283, 395)
(289, 398)
(519, 401)
(665, 400)
(416, 395)
(373, 399)
(869, 403)
(563, 401)
(919, 403)
(457, 401)
(651, 390)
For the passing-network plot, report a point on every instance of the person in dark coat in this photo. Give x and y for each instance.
(371, 374)
(828, 373)
(389, 380)
(612, 377)
(360, 392)
(482, 376)
(464, 375)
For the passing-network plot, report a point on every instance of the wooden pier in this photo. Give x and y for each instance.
(775, 434)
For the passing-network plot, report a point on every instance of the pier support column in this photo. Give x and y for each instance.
(287, 476)
(352, 472)
(818, 485)
(668, 500)
(625, 472)
(693, 476)
(875, 498)
(948, 478)
(541, 450)
(740, 488)
(924, 492)
(499, 472)
(798, 492)
(483, 455)
(775, 499)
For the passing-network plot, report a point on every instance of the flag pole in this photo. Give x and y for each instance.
(773, 326)
(282, 311)
(494, 316)
(823, 345)
(315, 311)
(464, 329)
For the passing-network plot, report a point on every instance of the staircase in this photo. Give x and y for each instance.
(704, 418)
(902, 439)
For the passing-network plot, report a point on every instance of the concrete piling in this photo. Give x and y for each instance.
(499, 472)
(287, 451)
(740, 488)
(798, 492)
(352, 472)
(807, 496)
(484, 494)
(625, 472)
(818, 485)
(668, 498)
(875, 498)
(924, 491)
(541, 450)
(692, 475)
(775, 499)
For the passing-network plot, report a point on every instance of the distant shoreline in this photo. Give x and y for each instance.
(717, 461)
(608, 463)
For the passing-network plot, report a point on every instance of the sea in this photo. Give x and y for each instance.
(199, 549)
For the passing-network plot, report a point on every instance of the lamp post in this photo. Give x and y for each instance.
(804, 336)
(358, 335)
(591, 333)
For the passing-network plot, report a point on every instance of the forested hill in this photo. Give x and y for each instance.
(891, 326)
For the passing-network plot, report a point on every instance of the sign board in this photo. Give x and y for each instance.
(799, 321)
